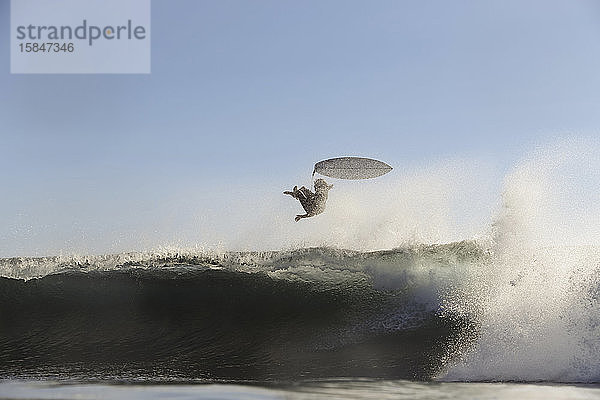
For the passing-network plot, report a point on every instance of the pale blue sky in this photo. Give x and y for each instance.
(243, 92)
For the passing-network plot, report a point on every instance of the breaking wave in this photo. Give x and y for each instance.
(309, 313)
(518, 303)
(454, 312)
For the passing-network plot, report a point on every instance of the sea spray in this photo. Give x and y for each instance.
(536, 302)
(517, 301)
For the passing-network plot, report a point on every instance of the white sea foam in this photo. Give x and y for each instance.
(537, 303)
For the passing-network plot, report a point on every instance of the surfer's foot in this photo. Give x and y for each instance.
(298, 218)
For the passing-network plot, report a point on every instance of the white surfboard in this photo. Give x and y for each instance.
(352, 168)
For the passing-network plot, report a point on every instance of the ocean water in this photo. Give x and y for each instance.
(335, 389)
(304, 314)
(430, 321)
(513, 312)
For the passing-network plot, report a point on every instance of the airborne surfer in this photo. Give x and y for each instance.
(340, 168)
(313, 203)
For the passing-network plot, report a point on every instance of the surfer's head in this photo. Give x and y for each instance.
(320, 184)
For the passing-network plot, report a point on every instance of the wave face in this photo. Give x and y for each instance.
(464, 311)
(309, 313)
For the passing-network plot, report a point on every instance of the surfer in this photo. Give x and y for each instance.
(313, 203)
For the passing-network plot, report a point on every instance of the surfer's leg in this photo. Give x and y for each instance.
(306, 198)
(304, 192)
(299, 217)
